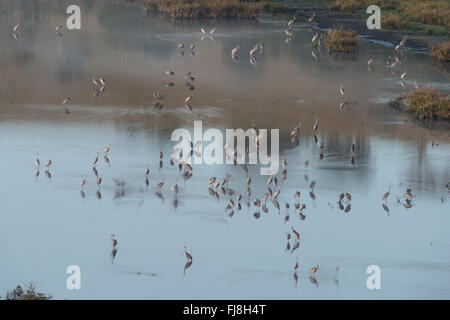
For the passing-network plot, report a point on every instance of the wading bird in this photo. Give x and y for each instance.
(95, 160)
(38, 163)
(58, 30)
(113, 240)
(187, 102)
(235, 52)
(48, 163)
(66, 101)
(314, 38)
(15, 31)
(313, 270)
(403, 76)
(187, 254)
(290, 23)
(295, 233)
(386, 195)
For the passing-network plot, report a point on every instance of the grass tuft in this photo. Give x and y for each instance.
(428, 103)
(27, 293)
(440, 53)
(341, 40)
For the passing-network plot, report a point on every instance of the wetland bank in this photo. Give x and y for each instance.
(51, 222)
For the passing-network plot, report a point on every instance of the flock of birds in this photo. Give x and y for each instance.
(392, 64)
(234, 199)
(217, 185)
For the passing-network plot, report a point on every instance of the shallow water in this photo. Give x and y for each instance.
(46, 226)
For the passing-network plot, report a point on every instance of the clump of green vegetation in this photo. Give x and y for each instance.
(213, 8)
(341, 40)
(440, 53)
(26, 293)
(428, 103)
(430, 12)
(394, 21)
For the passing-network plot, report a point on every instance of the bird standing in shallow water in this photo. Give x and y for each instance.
(15, 31)
(403, 76)
(187, 103)
(95, 160)
(58, 30)
(38, 163)
(187, 254)
(113, 240)
(313, 270)
(235, 52)
(48, 163)
(66, 100)
(386, 195)
(296, 234)
(291, 22)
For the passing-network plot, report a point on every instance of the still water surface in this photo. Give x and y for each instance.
(46, 226)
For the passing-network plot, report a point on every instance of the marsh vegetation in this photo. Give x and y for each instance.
(213, 8)
(26, 292)
(425, 103)
(429, 16)
(440, 53)
(341, 40)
